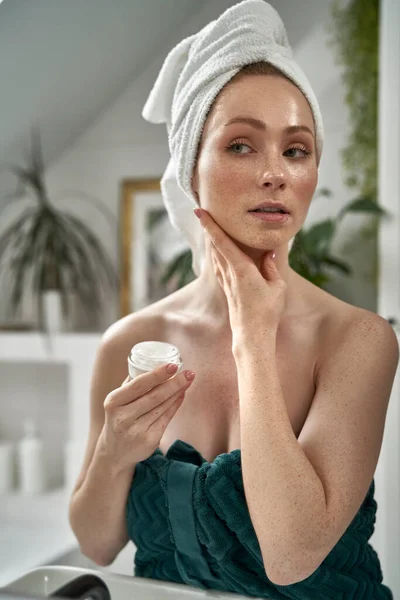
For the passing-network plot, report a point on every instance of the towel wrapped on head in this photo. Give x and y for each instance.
(192, 75)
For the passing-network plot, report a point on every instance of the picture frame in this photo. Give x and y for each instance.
(148, 244)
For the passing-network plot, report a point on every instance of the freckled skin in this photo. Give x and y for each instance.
(270, 167)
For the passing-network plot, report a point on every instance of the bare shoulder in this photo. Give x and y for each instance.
(356, 331)
(146, 324)
(149, 323)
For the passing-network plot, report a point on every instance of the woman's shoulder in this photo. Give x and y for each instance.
(340, 315)
(149, 323)
(341, 322)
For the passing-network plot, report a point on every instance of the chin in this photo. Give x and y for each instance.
(275, 241)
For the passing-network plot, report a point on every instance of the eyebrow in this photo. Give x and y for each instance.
(262, 126)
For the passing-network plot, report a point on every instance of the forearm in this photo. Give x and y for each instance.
(97, 510)
(285, 496)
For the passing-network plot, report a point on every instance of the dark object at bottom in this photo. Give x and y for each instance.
(84, 587)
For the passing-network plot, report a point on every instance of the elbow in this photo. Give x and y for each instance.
(282, 577)
(97, 555)
(290, 560)
(288, 569)
(95, 551)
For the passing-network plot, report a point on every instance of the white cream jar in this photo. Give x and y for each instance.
(147, 356)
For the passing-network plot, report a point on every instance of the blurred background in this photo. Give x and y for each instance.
(84, 237)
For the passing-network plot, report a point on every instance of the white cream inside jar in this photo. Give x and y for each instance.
(147, 356)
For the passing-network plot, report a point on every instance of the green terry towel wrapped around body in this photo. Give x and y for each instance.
(190, 523)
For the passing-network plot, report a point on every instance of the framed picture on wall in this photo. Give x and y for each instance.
(155, 258)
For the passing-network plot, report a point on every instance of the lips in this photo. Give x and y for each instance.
(274, 205)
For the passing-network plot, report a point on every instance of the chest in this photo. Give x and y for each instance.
(209, 418)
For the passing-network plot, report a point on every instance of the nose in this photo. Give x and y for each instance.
(273, 179)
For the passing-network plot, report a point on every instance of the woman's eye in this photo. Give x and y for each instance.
(235, 148)
(238, 148)
(303, 150)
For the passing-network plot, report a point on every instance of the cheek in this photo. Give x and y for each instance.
(304, 181)
(217, 176)
(220, 178)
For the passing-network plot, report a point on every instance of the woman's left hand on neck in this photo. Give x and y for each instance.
(255, 295)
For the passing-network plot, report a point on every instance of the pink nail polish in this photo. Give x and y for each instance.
(189, 375)
(197, 212)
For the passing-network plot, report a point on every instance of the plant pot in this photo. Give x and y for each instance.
(52, 311)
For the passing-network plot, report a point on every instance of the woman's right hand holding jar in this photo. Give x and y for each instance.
(138, 412)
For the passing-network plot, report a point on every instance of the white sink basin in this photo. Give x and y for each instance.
(45, 580)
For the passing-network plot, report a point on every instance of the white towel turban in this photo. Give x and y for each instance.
(191, 77)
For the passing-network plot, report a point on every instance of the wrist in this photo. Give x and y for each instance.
(109, 463)
(253, 341)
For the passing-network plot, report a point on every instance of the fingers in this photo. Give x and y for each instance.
(136, 388)
(160, 425)
(161, 415)
(155, 399)
(226, 246)
(127, 408)
(270, 270)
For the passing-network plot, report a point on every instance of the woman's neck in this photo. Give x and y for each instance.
(208, 298)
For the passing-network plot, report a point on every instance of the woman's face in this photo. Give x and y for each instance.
(242, 163)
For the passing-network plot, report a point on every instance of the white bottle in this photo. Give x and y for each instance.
(30, 461)
(6, 467)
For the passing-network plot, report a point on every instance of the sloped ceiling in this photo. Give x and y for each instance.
(62, 62)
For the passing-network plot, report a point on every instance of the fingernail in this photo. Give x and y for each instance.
(189, 375)
(197, 212)
(171, 368)
(273, 255)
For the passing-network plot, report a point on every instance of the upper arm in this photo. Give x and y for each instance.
(109, 371)
(343, 432)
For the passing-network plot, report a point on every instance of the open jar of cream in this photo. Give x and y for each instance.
(147, 356)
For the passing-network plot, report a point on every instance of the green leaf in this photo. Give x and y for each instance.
(83, 278)
(363, 205)
(154, 217)
(21, 265)
(186, 274)
(338, 264)
(102, 262)
(323, 192)
(182, 265)
(317, 240)
(6, 238)
(75, 195)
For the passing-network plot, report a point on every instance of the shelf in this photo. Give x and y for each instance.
(35, 347)
(35, 530)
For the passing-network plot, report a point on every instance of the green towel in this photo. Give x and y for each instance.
(190, 523)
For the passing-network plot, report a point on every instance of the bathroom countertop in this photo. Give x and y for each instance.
(33, 531)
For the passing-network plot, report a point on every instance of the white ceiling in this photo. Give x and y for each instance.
(62, 62)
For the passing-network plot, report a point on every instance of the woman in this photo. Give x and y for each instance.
(283, 411)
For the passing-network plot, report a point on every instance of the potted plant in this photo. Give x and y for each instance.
(311, 253)
(51, 251)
